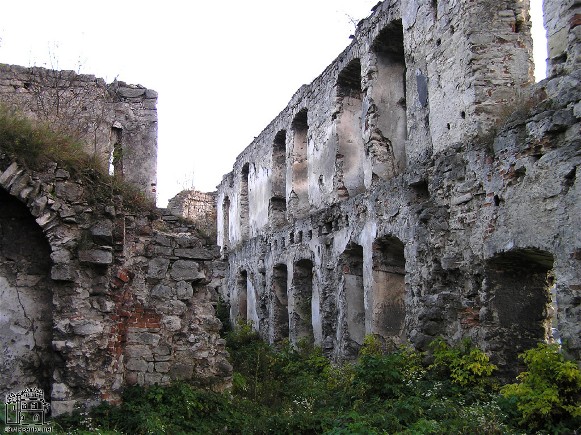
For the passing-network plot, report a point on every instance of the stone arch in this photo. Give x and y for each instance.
(388, 309)
(350, 149)
(76, 324)
(517, 291)
(26, 311)
(277, 206)
(386, 143)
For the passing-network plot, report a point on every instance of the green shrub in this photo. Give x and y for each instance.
(465, 364)
(548, 394)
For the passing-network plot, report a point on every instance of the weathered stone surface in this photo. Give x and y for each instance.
(157, 268)
(183, 270)
(96, 256)
(184, 290)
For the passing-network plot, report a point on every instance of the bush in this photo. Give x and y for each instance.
(548, 394)
(465, 364)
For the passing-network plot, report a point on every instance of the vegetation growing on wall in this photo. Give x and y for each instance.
(36, 144)
(296, 390)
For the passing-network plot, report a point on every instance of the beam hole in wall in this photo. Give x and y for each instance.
(277, 209)
(301, 321)
(388, 293)
(244, 202)
(352, 287)
(517, 287)
(299, 202)
(386, 144)
(26, 292)
(280, 302)
(350, 148)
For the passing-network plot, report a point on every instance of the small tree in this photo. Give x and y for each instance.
(548, 394)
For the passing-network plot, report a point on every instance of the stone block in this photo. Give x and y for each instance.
(194, 253)
(136, 365)
(63, 272)
(102, 231)
(88, 327)
(171, 323)
(161, 291)
(184, 270)
(157, 268)
(181, 371)
(184, 290)
(96, 256)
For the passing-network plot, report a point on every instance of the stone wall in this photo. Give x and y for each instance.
(421, 186)
(96, 298)
(116, 122)
(197, 207)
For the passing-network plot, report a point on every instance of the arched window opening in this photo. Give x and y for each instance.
(301, 322)
(352, 280)
(244, 203)
(242, 290)
(518, 292)
(388, 295)
(26, 319)
(277, 206)
(299, 199)
(280, 302)
(386, 145)
(350, 148)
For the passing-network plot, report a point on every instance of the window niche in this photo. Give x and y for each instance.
(277, 206)
(299, 197)
(280, 302)
(301, 309)
(244, 203)
(353, 291)
(116, 157)
(350, 148)
(518, 292)
(386, 145)
(242, 296)
(226, 222)
(388, 295)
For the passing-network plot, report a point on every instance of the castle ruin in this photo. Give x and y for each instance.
(422, 186)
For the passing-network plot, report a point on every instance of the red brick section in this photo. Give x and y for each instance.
(470, 317)
(129, 313)
(575, 20)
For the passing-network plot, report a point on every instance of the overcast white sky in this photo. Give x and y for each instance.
(223, 69)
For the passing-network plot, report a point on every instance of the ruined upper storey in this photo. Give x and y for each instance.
(116, 122)
(417, 78)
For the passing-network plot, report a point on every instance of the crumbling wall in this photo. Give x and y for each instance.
(98, 298)
(469, 179)
(198, 207)
(116, 122)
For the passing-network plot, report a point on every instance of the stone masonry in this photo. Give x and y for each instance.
(116, 122)
(95, 298)
(421, 186)
(198, 207)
